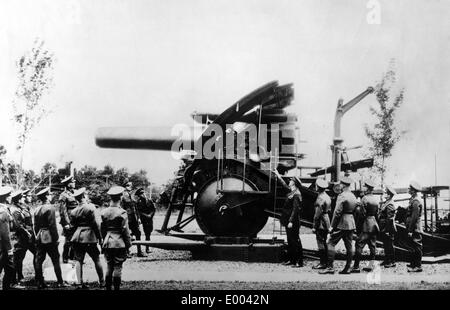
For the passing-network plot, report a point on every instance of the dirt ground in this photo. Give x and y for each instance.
(176, 270)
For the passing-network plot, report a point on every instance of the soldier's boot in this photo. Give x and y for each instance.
(116, 281)
(321, 264)
(370, 267)
(108, 282)
(139, 252)
(346, 269)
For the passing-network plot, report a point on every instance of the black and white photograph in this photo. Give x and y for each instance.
(238, 146)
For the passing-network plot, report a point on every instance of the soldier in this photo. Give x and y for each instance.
(342, 227)
(23, 232)
(146, 210)
(368, 210)
(6, 249)
(290, 219)
(388, 228)
(66, 204)
(46, 238)
(129, 205)
(414, 227)
(321, 222)
(86, 236)
(116, 238)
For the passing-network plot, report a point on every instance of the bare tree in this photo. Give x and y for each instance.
(384, 135)
(35, 72)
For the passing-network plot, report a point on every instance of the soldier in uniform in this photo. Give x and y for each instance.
(23, 231)
(86, 236)
(368, 210)
(116, 238)
(342, 227)
(321, 221)
(129, 205)
(414, 227)
(146, 210)
(46, 238)
(66, 204)
(290, 219)
(388, 228)
(6, 249)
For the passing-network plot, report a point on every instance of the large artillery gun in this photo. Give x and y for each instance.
(237, 169)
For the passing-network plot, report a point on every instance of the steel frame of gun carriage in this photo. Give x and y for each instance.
(232, 198)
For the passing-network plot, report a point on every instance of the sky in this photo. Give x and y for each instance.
(152, 63)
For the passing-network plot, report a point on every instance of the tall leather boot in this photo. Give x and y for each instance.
(117, 282)
(108, 282)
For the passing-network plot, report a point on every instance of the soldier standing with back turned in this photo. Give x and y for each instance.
(414, 228)
(342, 227)
(369, 231)
(321, 221)
(388, 228)
(116, 238)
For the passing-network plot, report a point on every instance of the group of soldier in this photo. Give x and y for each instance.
(23, 229)
(362, 220)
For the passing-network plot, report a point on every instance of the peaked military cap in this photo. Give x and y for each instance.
(67, 180)
(369, 183)
(17, 195)
(415, 186)
(346, 181)
(321, 183)
(5, 190)
(79, 192)
(139, 191)
(43, 192)
(391, 190)
(115, 190)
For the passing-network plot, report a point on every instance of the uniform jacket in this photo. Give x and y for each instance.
(322, 210)
(343, 212)
(114, 227)
(369, 213)
(129, 205)
(146, 209)
(292, 209)
(45, 224)
(5, 222)
(23, 225)
(66, 204)
(387, 217)
(413, 215)
(85, 225)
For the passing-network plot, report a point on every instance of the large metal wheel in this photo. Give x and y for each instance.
(230, 214)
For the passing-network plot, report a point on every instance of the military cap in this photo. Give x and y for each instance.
(5, 190)
(115, 190)
(139, 191)
(391, 190)
(321, 183)
(17, 195)
(346, 181)
(369, 183)
(67, 180)
(45, 191)
(415, 186)
(297, 182)
(79, 192)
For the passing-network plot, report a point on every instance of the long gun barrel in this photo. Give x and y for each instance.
(144, 138)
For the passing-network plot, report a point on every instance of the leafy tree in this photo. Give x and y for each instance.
(35, 71)
(384, 135)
